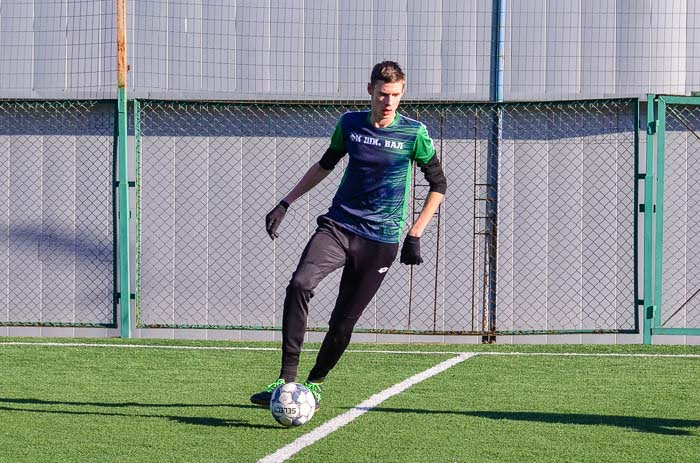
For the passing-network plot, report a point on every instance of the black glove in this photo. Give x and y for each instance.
(274, 219)
(410, 252)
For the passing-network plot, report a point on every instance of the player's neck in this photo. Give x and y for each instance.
(381, 121)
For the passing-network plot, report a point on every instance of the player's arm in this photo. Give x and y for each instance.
(314, 175)
(410, 252)
(311, 178)
(434, 175)
(432, 170)
(431, 205)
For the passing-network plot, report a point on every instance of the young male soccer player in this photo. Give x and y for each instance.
(362, 229)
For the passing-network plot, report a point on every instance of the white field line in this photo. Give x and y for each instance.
(579, 354)
(131, 346)
(341, 420)
(356, 351)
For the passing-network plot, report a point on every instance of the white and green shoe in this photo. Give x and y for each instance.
(317, 390)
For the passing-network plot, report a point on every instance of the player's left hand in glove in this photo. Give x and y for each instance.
(410, 251)
(274, 219)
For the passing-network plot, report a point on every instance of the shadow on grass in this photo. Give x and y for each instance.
(194, 420)
(668, 426)
(115, 404)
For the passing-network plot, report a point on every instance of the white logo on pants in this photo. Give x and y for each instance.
(383, 269)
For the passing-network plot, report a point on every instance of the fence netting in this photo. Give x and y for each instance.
(681, 218)
(537, 232)
(56, 214)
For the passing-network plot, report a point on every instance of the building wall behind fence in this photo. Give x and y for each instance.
(320, 49)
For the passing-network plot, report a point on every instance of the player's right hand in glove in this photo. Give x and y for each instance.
(410, 251)
(274, 219)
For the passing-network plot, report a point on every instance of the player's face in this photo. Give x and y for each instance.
(385, 100)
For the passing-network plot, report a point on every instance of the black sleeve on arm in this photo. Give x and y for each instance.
(330, 158)
(434, 175)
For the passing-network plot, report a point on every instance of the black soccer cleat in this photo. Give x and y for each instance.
(263, 398)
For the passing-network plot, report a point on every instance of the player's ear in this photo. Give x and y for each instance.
(369, 87)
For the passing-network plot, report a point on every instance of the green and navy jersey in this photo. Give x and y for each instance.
(372, 199)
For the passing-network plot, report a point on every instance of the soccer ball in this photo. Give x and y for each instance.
(292, 404)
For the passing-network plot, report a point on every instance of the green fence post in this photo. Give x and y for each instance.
(124, 213)
(659, 251)
(137, 207)
(649, 224)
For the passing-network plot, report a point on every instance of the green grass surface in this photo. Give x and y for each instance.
(530, 408)
(77, 404)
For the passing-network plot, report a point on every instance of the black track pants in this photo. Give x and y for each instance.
(365, 263)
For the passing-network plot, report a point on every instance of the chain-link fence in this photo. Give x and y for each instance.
(558, 177)
(680, 284)
(567, 218)
(56, 214)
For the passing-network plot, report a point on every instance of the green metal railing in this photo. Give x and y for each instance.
(673, 140)
(563, 232)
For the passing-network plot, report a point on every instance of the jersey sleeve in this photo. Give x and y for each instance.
(433, 173)
(423, 151)
(338, 138)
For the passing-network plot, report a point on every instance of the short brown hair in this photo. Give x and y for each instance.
(388, 71)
